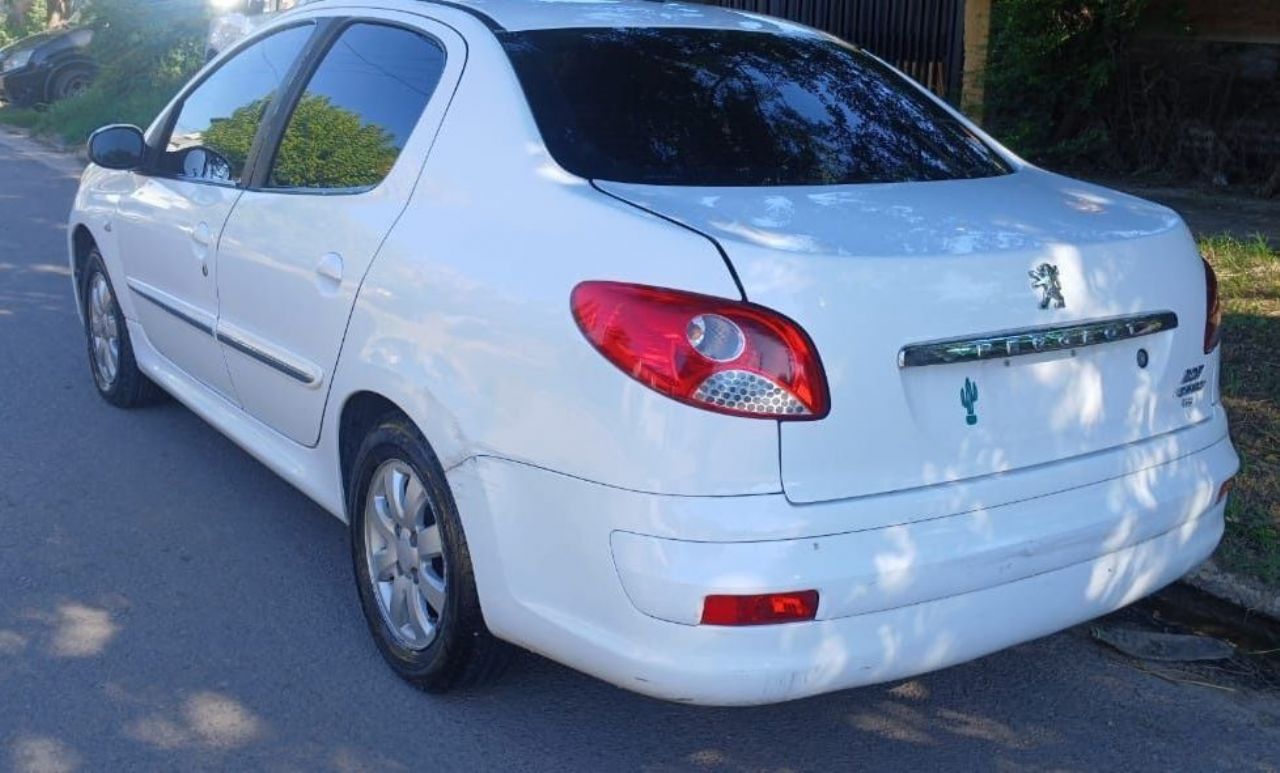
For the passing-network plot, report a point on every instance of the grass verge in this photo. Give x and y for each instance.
(1249, 282)
(72, 120)
(19, 117)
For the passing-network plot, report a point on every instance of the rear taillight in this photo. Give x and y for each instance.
(1213, 309)
(721, 355)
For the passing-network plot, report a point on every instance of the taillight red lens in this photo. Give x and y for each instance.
(1213, 309)
(721, 355)
(793, 607)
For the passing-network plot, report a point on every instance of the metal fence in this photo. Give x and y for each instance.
(924, 38)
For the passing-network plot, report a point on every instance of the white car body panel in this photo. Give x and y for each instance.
(599, 513)
(313, 471)
(167, 232)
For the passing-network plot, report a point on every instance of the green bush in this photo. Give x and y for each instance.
(146, 50)
(145, 44)
(13, 26)
(74, 119)
(23, 119)
(1052, 73)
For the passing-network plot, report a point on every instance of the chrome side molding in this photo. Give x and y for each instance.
(253, 352)
(227, 337)
(148, 294)
(1035, 340)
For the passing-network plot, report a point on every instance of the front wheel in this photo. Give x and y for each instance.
(412, 566)
(115, 371)
(71, 81)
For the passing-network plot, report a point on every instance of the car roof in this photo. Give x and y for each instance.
(519, 15)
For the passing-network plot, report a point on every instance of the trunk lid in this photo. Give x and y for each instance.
(872, 271)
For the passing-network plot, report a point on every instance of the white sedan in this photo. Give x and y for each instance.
(694, 349)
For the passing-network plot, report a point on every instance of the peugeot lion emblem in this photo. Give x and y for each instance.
(1045, 279)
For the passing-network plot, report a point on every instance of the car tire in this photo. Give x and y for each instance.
(421, 606)
(69, 82)
(111, 362)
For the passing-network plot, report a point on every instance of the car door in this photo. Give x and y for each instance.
(299, 242)
(168, 224)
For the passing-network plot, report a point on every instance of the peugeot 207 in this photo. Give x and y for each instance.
(697, 350)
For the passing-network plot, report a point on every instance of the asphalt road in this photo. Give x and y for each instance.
(166, 602)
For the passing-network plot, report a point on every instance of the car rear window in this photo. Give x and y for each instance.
(732, 108)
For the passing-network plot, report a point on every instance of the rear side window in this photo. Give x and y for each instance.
(218, 120)
(734, 108)
(358, 110)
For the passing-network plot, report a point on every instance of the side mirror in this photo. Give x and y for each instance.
(202, 163)
(118, 146)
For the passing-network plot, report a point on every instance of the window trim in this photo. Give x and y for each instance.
(156, 149)
(265, 159)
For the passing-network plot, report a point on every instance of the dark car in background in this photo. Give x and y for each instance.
(46, 67)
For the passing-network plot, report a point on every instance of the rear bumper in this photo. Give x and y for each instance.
(564, 570)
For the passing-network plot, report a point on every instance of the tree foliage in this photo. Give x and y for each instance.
(232, 137)
(1052, 72)
(145, 50)
(331, 147)
(148, 44)
(136, 41)
(324, 145)
(20, 18)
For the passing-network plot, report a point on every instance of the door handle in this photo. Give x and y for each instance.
(330, 267)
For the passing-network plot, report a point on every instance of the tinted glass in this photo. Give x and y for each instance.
(218, 120)
(358, 110)
(719, 107)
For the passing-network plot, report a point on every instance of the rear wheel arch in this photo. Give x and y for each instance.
(79, 67)
(361, 412)
(367, 386)
(459, 649)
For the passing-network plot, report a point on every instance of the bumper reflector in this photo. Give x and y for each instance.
(763, 609)
(1225, 489)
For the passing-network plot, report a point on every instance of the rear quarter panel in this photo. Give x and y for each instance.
(464, 319)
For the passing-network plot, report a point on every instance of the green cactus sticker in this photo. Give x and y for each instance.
(968, 398)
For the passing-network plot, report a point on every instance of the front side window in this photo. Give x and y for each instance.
(358, 110)
(218, 120)
(734, 108)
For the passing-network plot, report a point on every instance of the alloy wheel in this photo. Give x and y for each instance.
(405, 555)
(104, 333)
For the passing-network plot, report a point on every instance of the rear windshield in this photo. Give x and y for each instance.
(721, 107)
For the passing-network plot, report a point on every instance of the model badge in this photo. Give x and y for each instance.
(1191, 384)
(969, 398)
(1045, 279)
